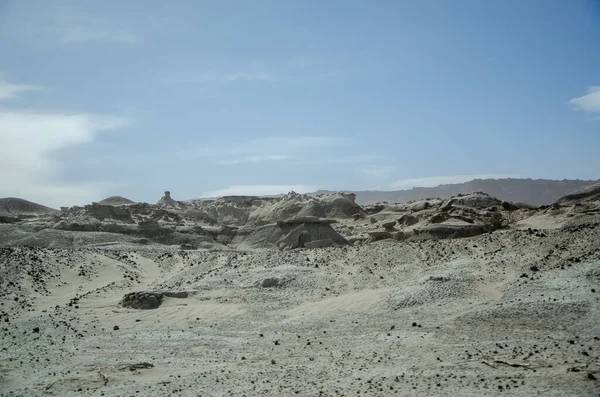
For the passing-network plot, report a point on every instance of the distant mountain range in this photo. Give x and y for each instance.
(530, 191)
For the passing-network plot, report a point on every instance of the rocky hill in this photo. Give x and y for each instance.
(19, 206)
(116, 200)
(588, 194)
(286, 222)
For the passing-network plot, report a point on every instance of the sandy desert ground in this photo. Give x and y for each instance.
(402, 309)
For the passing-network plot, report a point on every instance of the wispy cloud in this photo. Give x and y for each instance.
(262, 147)
(260, 190)
(443, 180)
(8, 90)
(590, 102)
(334, 159)
(253, 159)
(27, 167)
(254, 150)
(289, 71)
(291, 143)
(63, 24)
(377, 171)
(225, 77)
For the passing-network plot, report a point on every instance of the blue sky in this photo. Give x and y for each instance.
(260, 97)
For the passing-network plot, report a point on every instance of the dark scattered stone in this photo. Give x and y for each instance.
(270, 282)
(36, 329)
(136, 366)
(534, 268)
(591, 376)
(116, 328)
(389, 225)
(379, 235)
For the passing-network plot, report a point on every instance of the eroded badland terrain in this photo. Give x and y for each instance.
(298, 295)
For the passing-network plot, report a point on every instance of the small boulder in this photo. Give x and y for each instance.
(378, 235)
(142, 300)
(270, 282)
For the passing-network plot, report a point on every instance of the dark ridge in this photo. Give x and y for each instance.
(530, 191)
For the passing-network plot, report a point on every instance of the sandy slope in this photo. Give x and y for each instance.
(388, 318)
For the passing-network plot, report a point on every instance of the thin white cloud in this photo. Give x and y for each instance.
(260, 190)
(27, 168)
(290, 143)
(261, 147)
(377, 171)
(295, 71)
(246, 76)
(443, 180)
(253, 159)
(590, 102)
(9, 90)
(352, 159)
(224, 77)
(50, 23)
